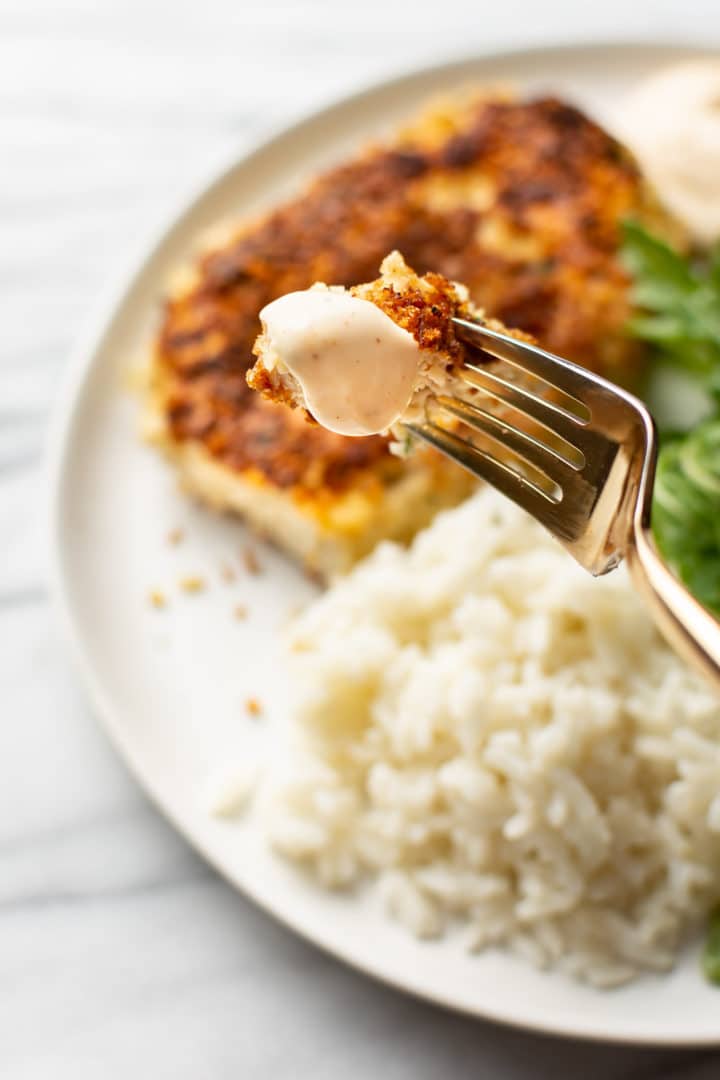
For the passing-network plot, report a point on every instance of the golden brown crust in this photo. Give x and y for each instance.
(425, 312)
(272, 388)
(522, 205)
(423, 306)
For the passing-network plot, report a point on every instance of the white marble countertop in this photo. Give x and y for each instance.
(121, 953)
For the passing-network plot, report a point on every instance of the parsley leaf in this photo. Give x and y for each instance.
(686, 510)
(711, 952)
(678, 304)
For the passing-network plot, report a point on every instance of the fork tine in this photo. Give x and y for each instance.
(519, 488)
(575, 480)
(564, 517)
(522, 442)
(552, 417)
(553, 370)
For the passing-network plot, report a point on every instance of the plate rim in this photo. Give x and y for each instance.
(89, 340)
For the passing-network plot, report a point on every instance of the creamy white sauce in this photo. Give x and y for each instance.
(672, 123)
(355, 366)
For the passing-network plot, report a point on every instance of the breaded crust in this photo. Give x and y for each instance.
(424, 306)
(521, 202)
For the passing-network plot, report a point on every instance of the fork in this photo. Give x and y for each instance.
(578, 454)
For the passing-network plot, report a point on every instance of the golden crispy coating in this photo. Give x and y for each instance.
(521, 203)
(424, 306)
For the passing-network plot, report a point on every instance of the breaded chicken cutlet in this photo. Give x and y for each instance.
(365, 360)
(520, 200)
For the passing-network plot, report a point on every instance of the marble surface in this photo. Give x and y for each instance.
(120, 951)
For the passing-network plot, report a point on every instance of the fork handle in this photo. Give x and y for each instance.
(691, 630)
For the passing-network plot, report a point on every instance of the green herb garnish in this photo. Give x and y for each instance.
(686, 510)
(678, 302)
(711, 952)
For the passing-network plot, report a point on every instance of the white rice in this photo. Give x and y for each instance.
(498, 739)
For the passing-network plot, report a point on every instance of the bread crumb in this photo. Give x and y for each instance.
(231, 794)
(227, 573)
(240, 611)
(175, 537)
(250, 559)
(253, 707)
(157, 598)
(299, 647)
(192, 583)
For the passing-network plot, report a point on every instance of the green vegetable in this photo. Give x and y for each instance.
(679, 315)
(686, 510)
(679, 304)
(711, 952)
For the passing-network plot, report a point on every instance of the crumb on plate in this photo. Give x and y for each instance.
(251, 561)
(192, 583)
(230, 795)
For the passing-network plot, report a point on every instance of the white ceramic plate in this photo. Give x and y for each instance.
(170, 685)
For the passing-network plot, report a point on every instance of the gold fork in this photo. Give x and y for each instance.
(579, 455)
